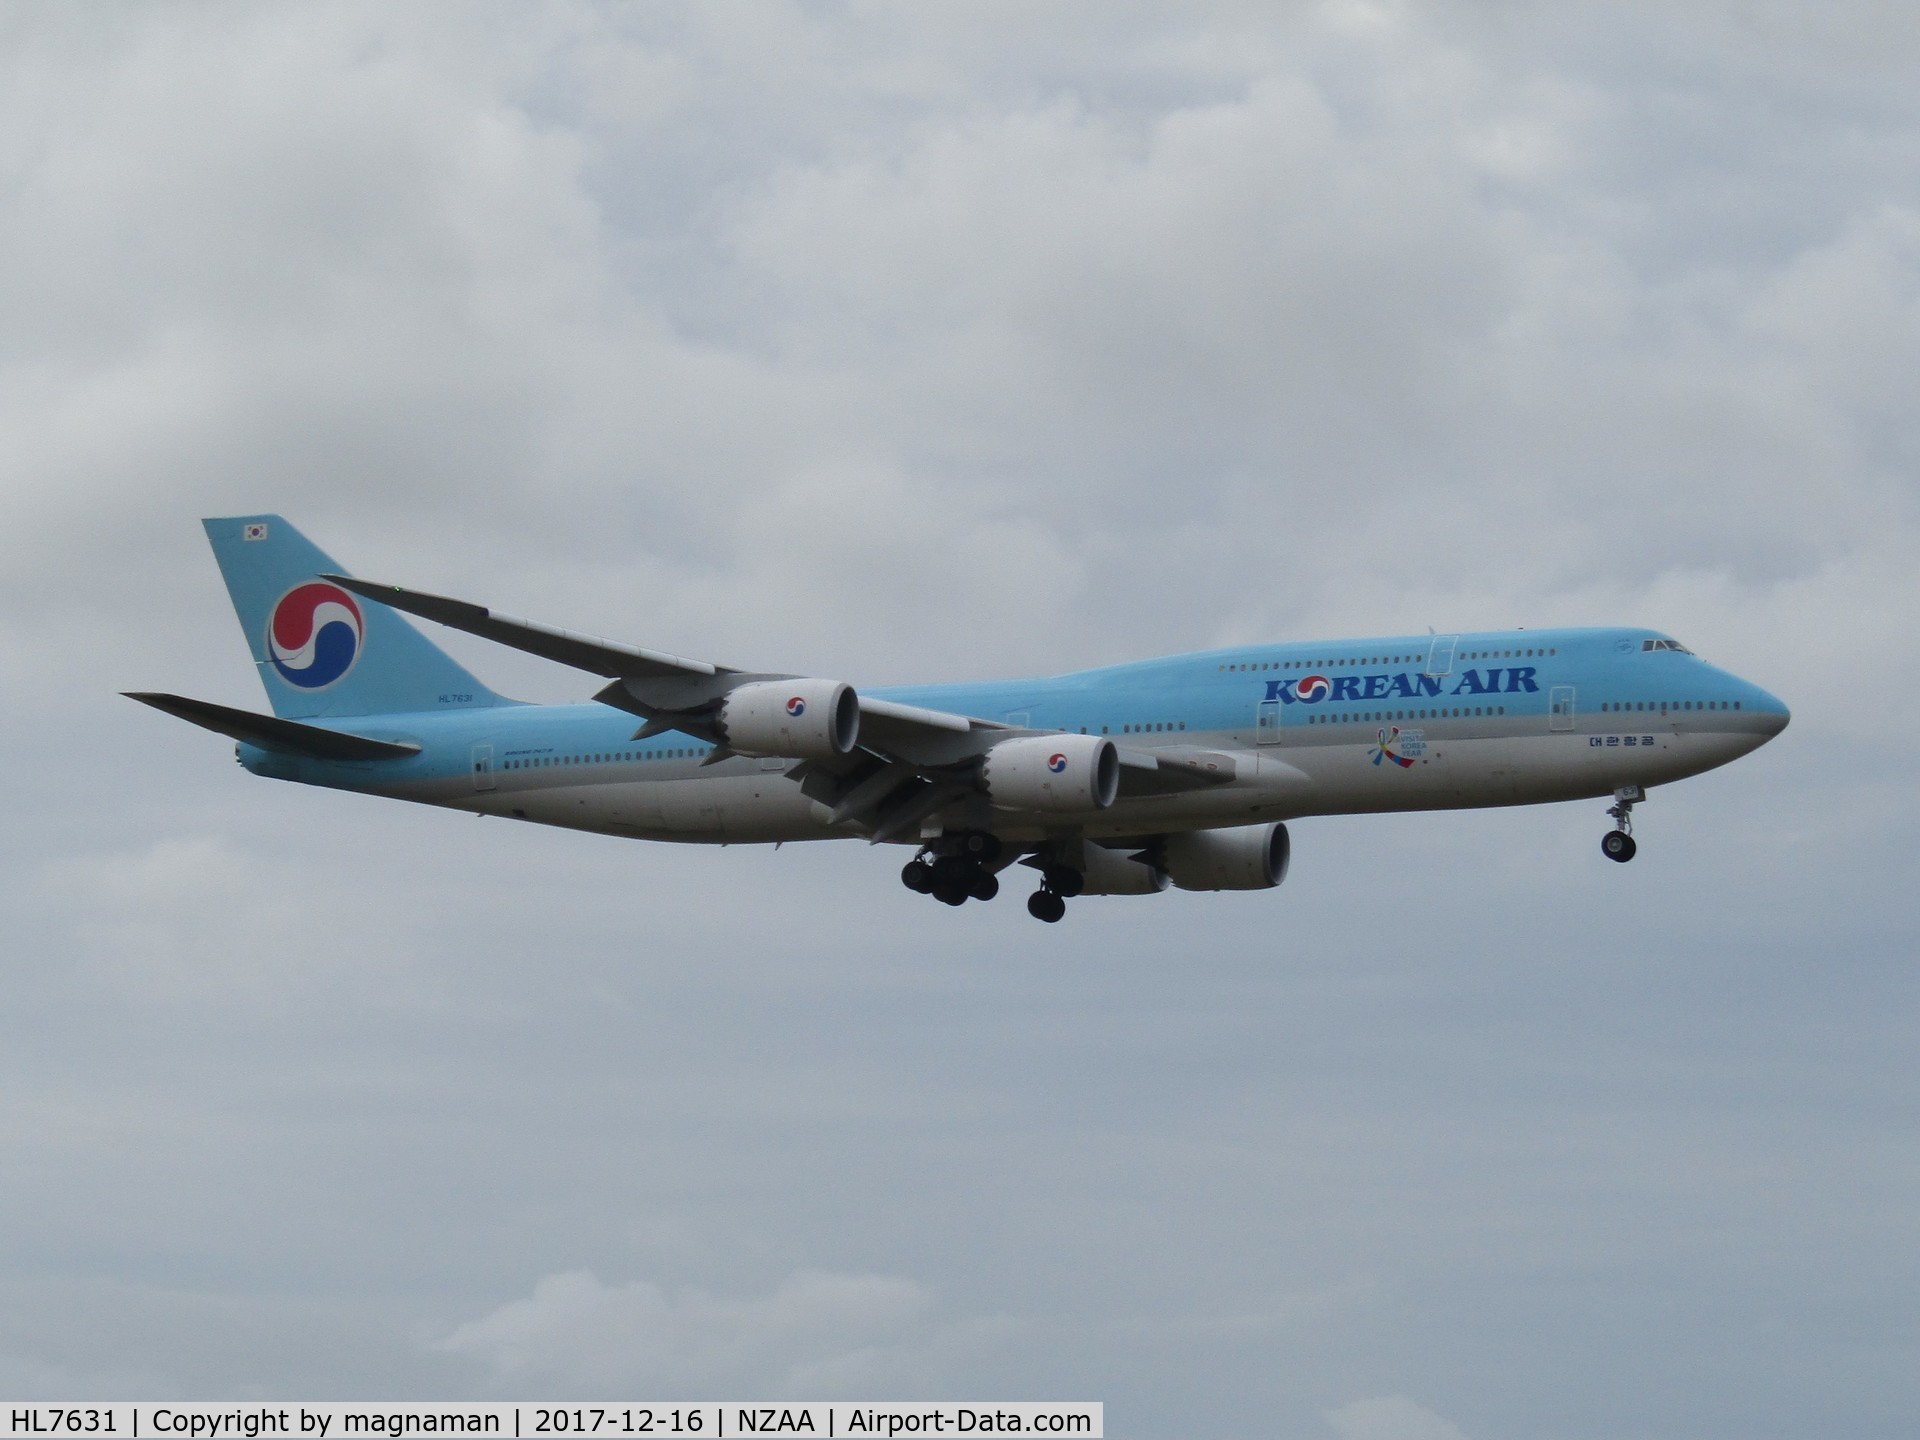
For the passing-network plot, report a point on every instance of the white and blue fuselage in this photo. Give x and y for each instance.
(1400, 723)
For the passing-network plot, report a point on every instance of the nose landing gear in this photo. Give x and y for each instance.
(1617, 843)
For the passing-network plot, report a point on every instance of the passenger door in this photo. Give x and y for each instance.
(1267, 722)
(1560, 707)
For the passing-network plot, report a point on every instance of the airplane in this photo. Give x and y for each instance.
(1182, 771)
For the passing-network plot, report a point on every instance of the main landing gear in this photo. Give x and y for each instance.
(1047, 906)
(1617, 843)
(956, 869)
(1057, 884)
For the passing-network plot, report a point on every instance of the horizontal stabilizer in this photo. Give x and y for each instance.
(269, 732)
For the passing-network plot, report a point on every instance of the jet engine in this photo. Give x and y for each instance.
(795, 719)
(1052, 772)
(1247, 857)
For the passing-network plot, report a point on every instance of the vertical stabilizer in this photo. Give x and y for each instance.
(321, 651)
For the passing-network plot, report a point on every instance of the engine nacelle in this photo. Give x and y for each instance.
(794, 719)
(1054, 773)
(1247, 857)
(1115, 872)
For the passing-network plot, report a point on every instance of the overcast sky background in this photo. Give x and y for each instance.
(933, 341)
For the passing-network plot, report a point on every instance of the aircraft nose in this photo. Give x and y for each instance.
(1772, 712)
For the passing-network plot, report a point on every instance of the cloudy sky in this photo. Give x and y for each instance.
(898, 343)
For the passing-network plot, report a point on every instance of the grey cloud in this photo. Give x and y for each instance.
(575, 1333)
(1391, 1417)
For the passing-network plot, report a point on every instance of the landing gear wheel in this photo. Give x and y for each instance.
(950, 892)
(1047, 906)
(979, 845)
(985, 886)
(917, 876)
(1064, 880)
(1618, 843)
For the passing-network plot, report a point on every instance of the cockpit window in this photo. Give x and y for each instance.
(1647, 645)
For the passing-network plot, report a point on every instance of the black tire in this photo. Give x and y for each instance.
(952, 870)
(917, 876)
(979, 845)
(1618, 845)
(950, 892)
(1047, 906)
(1065, 882)
(985, 886)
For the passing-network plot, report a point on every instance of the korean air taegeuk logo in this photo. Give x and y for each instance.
(314, 635)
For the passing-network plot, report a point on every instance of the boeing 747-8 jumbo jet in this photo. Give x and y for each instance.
(1118, 781)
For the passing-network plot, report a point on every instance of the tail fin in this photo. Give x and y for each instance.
(320, 650)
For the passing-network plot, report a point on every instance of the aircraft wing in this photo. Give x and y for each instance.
(1173, 772)
(672, 692)
(583, 652)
